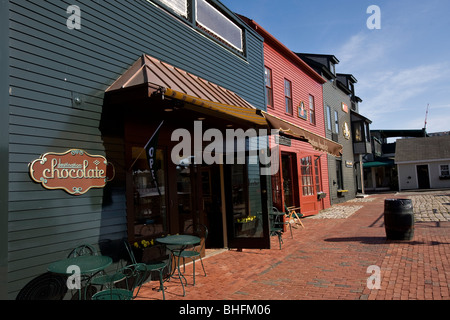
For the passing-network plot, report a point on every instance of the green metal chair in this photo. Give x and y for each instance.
(158, 267)
(125, 284)
(276, 224)
(89, 290)
(82, 250)
(195, 253)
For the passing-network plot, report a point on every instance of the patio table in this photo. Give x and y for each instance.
(88, 265)
(181, 242)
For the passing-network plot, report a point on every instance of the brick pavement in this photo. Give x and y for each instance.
(328, 260)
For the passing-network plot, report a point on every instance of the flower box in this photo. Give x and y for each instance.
(321, 195)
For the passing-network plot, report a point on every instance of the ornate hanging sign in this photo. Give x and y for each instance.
(74, 171)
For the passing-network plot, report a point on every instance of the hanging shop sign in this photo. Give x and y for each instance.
(74, 171)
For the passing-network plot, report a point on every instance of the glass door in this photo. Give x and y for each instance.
(149, 207)
(247, 217)
(290, 179)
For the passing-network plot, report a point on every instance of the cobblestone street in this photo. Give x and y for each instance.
(430, 206)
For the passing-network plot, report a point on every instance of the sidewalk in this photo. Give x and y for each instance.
(328, 260)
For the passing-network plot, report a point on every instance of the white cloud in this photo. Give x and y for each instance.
(395, 94)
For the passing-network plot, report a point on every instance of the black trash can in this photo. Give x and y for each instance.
(399, 219)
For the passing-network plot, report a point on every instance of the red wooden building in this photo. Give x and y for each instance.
(294, 96)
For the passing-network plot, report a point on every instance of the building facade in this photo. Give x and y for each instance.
(100, 78)
(423, 163)
(294, 95)
(340, 101)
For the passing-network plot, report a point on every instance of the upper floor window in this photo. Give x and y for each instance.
(329, 127)
(358, 131)
(215, 22)
(332, 68)
(269, 87)
(178, 6)
(336, 121)
(312, 110)
(288, 96)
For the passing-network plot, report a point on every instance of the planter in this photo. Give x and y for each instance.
(246, 228)
(321, 195)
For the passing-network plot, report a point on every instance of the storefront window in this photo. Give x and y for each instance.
(184, 192)
(247, 220)
(149, 197)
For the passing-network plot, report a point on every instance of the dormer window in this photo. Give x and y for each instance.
(332, 68)
(351, 87)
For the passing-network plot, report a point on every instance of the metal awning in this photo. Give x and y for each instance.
(296, 132)
(199, 94)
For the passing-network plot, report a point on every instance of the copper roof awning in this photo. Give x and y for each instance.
(199, 94)
(296, 132)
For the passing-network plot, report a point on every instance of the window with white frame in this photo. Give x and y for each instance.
(444, 170)
(336, 121)
(312, 110)
(288, 96)
(178, 6)
(215, 22)
(329, 127)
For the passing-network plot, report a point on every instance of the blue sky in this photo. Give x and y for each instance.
(400, 68)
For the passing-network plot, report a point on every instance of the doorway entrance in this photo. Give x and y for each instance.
(423, 177)
(290, 179)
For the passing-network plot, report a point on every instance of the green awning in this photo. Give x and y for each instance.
(374, 164)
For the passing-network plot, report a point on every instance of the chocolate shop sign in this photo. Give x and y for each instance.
(74, 171)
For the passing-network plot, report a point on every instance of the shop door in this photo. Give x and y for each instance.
(246, 207)
(290, 180)
(423, 177)
(212, 205)
(309, 203)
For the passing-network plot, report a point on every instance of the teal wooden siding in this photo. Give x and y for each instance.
(4, 146)
(49, 65)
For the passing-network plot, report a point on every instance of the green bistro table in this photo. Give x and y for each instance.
(181, 242)
(88, 266)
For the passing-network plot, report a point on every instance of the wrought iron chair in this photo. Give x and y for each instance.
(89, 290)
(82, 250)
(125, 284)
(195, 253)
(157, 266)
